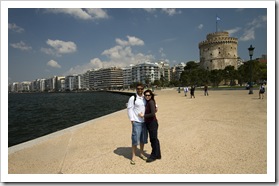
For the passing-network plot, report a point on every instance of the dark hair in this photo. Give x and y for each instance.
(151, 93)
(140, 85)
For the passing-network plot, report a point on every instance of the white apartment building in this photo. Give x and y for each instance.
(60, 84)
(51, 84)
(164, 70)
(145, 72)
(24, 86)
(177, 70)
(73, 82)
(42, 86)
(85, 80)
(127, 76)
(14, 87)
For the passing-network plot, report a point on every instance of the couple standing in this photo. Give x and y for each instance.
(141, 112)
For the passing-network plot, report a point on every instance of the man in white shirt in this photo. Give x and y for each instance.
(135, 107)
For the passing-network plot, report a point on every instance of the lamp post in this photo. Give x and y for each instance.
(251, 50)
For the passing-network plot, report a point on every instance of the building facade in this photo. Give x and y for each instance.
(106, 78)
(218, 51)
(164, 70)
(145, 73)
(127, 76)
(177, 70)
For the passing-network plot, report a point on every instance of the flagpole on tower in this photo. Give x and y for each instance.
(217, 19)
(216, 25)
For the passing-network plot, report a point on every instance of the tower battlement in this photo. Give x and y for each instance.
(218, 51)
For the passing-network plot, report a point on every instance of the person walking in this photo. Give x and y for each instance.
(185, 91)
(136, 106)
(205, 90)
(192, 91)
(261, 91)
(152, 125)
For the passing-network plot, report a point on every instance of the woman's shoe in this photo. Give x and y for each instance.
(132, 162)
(143, 158)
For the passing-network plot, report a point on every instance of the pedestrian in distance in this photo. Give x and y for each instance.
(152, 125)
(205, 90)
(136, 106)
(185, 91)
(261, 91)
(192, 91)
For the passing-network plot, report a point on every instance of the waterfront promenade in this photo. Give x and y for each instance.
(223, 133)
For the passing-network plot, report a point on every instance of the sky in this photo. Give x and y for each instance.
(40, 43)
(62, 41)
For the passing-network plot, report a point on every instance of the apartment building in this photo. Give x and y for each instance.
(60, 84)
(127, 76)
(101, 79)
(145, 72)
(73, 82)
(177, 70)
(164, 70)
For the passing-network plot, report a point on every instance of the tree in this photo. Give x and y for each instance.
(241, 75)
(190, 75)
(203, 76)
(254, 70)
(229, 73)
(174, 83)
(191, 65)
(216, 77)
(259, 72)
(157, 83)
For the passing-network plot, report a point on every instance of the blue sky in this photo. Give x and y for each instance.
(46, 42)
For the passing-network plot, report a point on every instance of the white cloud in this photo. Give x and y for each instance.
(168, 11)
(15, 28)
(248, 35)
(59, 47)
(249, 31)
(97, 13)
(121, 55)
(132, 41)
(234, 30)
(171, 11)
(200, 26)
(53, 64)
(79, 13)
(258, 22)
(21, 45)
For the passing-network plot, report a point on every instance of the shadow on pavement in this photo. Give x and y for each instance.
(124, 151)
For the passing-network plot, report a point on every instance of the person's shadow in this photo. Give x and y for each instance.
(126, 152)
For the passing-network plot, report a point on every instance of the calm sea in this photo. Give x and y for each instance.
(33, 115)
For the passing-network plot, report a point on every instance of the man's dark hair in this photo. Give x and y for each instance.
(140, 85)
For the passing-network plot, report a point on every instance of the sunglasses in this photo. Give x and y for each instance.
(147, 95)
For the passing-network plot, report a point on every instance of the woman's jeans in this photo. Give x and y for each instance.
(152, 128)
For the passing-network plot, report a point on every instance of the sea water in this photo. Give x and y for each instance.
(32, 115)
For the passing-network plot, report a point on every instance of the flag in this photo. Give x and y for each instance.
(218, 18)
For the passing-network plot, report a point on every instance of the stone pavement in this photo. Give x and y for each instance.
(223, 133)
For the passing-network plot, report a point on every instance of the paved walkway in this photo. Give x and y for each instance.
(223, 133)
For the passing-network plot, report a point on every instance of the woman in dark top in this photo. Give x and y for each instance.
(152, 125)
